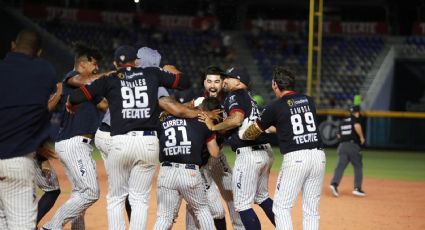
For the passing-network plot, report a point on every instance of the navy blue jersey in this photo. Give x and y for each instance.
(181, 140)
(132, 94)
(86, 118)
(294, 116)
(346, 129)
(25, 87)
(241, 101)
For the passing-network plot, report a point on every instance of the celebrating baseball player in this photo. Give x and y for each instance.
(181, 143)
(73, 145)
(132, 95)
(216, 171)
(303, 167)
(254, 158)
(26, 84)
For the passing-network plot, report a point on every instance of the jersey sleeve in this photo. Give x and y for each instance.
(267, 117)
(172, 81)
(97, 89)
(234, 103)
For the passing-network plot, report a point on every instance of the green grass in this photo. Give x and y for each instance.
(381, 164)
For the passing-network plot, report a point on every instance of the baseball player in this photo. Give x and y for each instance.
(181, 143)
(254, 158)
(351, 137)
(25, 87)
(217, 172)
(146, 57)
(73, 145)
(303, 167)
(132, 95)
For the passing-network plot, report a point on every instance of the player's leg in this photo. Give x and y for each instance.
(222, 175)
(313, 188)
(214, 199)
(289, 183)
(343, 160)
(119, 163)
(3, 222)
(245, 177)
(191, 221)
(140, 183)
(146, 149)
(78, 223)
(103, 142)
(17, 190)
(75, 154)
(356, 159)
(47, 180)
(192, 189)
(262, 197)
(168, 198)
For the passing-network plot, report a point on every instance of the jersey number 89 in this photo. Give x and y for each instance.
(134, 97)
(298, 124)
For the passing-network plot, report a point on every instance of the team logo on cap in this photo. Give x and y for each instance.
(122, 57)
(230, 70)
(290, 102)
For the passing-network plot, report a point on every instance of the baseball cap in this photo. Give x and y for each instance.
(148, 57)
(238, 73)
(125, 54)
(355, 108)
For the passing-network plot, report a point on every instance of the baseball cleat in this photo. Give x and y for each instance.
(334, 190)
(358, 192)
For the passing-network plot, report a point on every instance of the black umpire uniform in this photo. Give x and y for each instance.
(349, 151)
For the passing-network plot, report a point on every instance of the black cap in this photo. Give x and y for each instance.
(124, 54)
(355, 108)
(238, 73)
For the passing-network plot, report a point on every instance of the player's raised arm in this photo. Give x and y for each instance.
(173, 107)
(171, 77)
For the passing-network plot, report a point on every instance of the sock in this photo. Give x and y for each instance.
(267, 207)
(220, 224)
(46, 202)
(250, 219)
(128, 208)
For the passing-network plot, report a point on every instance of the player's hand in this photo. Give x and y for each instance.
(203, 117)
(45, 151)
(362, 140)
(171, 69)
(162, 116)
(69, 107)
(215, 114)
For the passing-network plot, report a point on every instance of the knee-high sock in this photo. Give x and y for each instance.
(46, 203)
(267, 207)
(250, 219)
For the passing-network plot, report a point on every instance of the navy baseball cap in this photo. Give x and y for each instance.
(125, 54)
(238, 73)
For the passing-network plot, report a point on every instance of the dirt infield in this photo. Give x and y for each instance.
(389, 204)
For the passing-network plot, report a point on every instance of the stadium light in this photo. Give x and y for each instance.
(136, 1)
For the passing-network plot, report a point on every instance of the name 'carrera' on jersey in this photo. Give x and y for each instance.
(296, 116)
(181, 140)
(132, 94)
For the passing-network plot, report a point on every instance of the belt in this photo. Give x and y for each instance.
(143, 133)
(253, 148)
(180, 165)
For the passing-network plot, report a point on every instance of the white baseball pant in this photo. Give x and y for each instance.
(131, 166)
(301, 170)
(18, 207)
